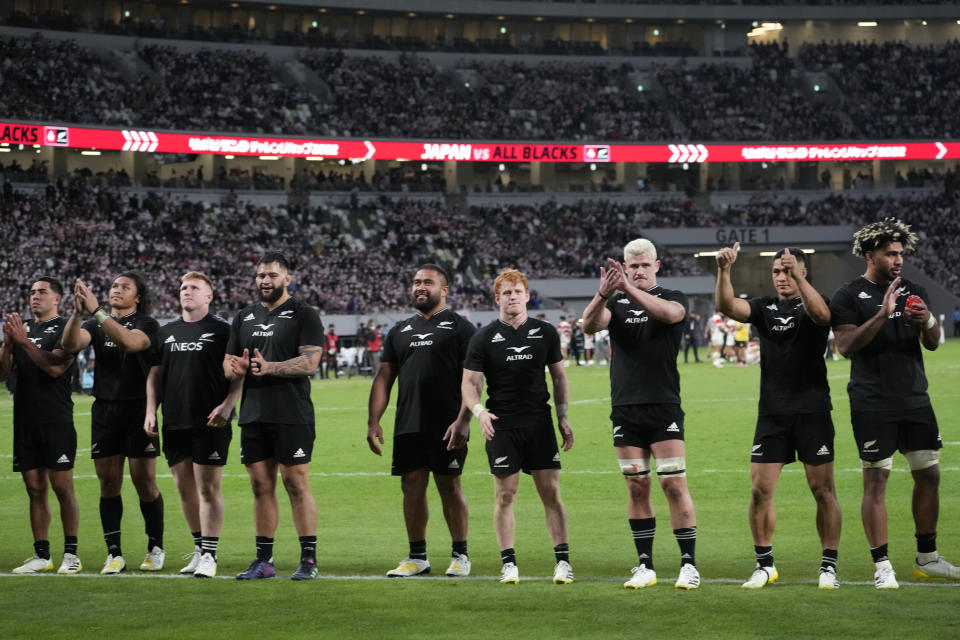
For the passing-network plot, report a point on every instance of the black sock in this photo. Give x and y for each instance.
(418, 549)
(879, 554)
(70, 544)
(153, 521)
(264, 549)
(508, 555)
(208, 544)
(197, 538)
(562, 552)
(459, 548)
(764, 555)
(926, 542)
(687, 539)
(643, 530)
(308, 548)
(829, 559)
(111, 512)
(42, 549)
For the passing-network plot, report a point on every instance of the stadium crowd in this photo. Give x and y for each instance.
(392, 179)
(348, 256)
(411, 97)
(764, 102)
(217, 90)
(881, 97)
(557, 100)
(344, 266)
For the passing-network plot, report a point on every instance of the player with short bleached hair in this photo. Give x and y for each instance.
(646, 326)
(880, 321)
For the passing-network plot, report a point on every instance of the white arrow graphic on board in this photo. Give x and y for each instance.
(687, 153)
(139, 140)
(370, 150)
(942, 150)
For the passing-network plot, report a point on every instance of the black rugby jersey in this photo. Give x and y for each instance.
(120, 375)
(190, 357)
(512, 361)
(644, 362)
(888, 373)
(278, 334)
(428, 354)
(793, 374)
(39, 398)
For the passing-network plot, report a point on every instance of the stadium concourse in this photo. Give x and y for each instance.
(348, 257)
(758, 95)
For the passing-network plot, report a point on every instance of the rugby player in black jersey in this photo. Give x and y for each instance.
(187, 380)
(646, 326)
(511, 353)
(425, 353)
(880, 321)
(121, 342)
(275, 346)
(793, 418)
(44, 440)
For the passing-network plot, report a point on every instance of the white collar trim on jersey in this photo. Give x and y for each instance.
(432, 314)
(511, 326)
(876, 284)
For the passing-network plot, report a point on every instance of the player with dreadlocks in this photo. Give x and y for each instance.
(880, 320)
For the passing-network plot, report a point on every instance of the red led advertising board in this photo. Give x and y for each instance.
(144, 140)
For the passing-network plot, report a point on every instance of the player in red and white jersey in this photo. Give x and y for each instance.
(715, 331)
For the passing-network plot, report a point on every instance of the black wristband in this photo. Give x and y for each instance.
(603, 296)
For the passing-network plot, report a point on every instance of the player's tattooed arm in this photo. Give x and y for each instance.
(306, 364)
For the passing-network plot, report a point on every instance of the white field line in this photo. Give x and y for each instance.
(174, 576)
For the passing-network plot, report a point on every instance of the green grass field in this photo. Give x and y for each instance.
(361, 535)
